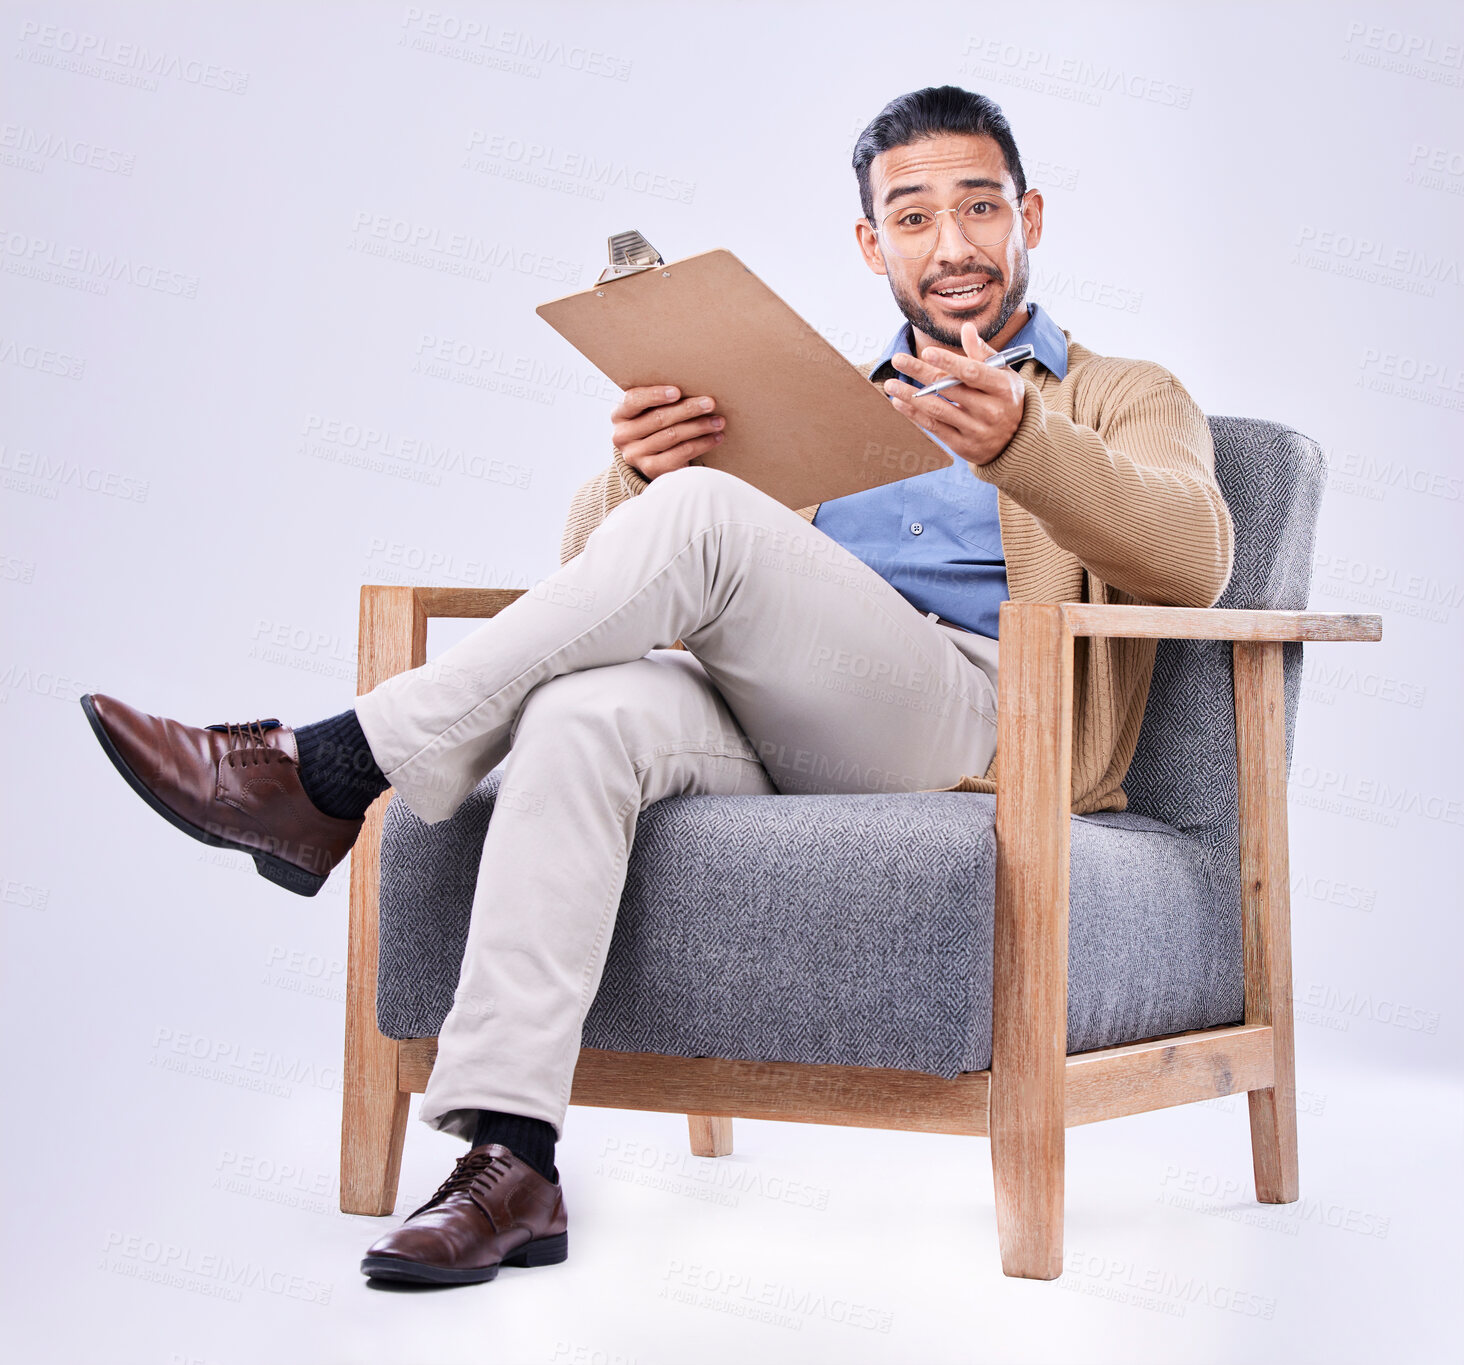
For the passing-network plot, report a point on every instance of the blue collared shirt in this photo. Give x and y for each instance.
(936, 537)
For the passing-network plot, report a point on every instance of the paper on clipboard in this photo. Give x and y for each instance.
(803, 424)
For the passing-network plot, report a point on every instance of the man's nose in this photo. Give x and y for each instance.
(950, 244)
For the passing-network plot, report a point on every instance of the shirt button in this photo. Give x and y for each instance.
(916, 528)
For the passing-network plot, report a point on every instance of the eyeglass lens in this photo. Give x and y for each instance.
(912, 230)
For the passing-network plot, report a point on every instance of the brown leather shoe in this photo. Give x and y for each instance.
(231, 786)
(493, 1210)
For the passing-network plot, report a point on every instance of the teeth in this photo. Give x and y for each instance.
(964, 289)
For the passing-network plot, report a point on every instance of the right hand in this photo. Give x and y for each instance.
(655, 430)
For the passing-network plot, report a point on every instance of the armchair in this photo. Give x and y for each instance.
(1000, 968)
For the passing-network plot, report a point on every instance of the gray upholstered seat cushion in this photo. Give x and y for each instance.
(804, 954)
(860, 932)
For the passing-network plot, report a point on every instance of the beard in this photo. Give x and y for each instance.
(1011, 300)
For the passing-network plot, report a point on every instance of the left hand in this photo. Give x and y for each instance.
(978, 416)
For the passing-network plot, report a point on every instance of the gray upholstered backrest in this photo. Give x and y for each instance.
(1184, 768)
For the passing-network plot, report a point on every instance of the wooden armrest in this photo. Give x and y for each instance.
(1213, 623)
(393, 633)
(465, 602)
(394, 624)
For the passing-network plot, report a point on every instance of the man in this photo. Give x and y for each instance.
(1078, 477)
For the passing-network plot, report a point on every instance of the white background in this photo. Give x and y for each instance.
(204, 313)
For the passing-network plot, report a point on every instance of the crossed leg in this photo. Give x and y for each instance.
(590, 751)
(804, 672)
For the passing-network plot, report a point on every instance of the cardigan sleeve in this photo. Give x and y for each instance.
(595, 499)
(1134, 496)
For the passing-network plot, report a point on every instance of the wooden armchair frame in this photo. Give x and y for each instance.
(1034, 1090)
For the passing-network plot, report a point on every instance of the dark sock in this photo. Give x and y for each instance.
(531, 1140)
(337, 769)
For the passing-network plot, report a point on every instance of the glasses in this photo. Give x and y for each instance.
(984, 219)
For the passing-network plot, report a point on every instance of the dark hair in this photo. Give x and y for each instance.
(928, 113)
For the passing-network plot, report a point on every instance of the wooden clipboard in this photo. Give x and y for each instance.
(803, 424)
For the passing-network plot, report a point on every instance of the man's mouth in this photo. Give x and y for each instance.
(963, 292)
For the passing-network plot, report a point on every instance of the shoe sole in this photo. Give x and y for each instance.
(273, 869)
(544, 1251)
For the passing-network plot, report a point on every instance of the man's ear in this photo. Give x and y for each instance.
(869, 246)
(1032, 217)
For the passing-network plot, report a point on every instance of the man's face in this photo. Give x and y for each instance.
(938, 173)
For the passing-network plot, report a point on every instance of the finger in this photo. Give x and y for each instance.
(660, 418)
(917, 368)
(1000, 384)
(635, 401)
(939, 363)
(972, 373)
(941, 419)
(950, 407)
(677, 457)
(973, 343)
(942, 431)
(968, 409)
(664, 437)
(659, 442)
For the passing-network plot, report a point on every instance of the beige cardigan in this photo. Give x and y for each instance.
(1106, 493)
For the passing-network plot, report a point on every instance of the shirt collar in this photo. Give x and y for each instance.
(1040, 332)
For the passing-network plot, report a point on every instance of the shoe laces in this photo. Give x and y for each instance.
(479, 1168)
(249, 743)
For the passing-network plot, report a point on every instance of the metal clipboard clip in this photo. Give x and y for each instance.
(630, 253)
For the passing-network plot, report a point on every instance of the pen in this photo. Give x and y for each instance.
(999, 361)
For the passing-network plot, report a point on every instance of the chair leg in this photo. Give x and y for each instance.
(1273, 1145)
(711, 1135)
(393, 639)
(1260, 738)
(373, 1130)
(1030, 942)
(374, 1109)
(1273, 1118)
(1273, 1111)
(1027, 1164)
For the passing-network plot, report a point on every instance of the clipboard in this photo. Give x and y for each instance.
(803, 424)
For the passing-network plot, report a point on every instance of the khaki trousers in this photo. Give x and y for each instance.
(804, 672)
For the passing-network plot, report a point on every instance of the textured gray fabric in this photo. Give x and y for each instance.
(742, 933)
(1183, 771)
(857, 929)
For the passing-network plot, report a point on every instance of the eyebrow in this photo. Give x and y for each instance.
(967, 183)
